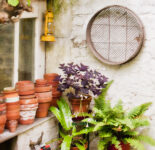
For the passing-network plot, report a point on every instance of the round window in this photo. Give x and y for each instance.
(115, 35)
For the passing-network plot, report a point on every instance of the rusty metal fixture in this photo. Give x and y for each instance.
(9, 13)
(115, 35)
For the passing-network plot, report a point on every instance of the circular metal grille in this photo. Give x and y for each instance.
(115, 35)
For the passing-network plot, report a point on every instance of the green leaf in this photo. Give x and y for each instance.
(84, 131)
(135, 143)
(28, 2)
(139, 110)
(13, 2)
(66, 144)
(66, 116)
(146, 139)
(101, 145)
(98, 126)
(89, 120)
(116, 142)
(79, 146)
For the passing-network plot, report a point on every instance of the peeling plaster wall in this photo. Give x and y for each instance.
(134, 82)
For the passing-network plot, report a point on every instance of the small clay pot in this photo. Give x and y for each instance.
(12, 99)
(13, 115)
(12, 125)
(42, 110)
(44, 95)
(28, 101)
(43, 89)
(123, 146)
(41, 82)
(27, 96)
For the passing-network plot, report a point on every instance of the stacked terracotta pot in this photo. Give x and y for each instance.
(2, 114)
(52, 80)
(44, 95)
(28, 101)
(12, 107)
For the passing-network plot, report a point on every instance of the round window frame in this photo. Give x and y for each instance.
(97, 54)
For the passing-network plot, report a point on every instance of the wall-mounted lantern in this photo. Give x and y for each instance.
(48, 28)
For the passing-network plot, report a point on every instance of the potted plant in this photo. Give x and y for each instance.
(70, 137)
(78, 83)
(116, 128)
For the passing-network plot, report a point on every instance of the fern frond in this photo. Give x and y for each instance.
(138, 122)
(116, 143)
(80, 147)
(139, 110)
(146, 139)
(135, 143)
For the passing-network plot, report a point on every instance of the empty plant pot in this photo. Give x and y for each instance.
(30, 92)
(50, 77)
(9, 90)
(2, 122)
(29, 107)
(12, 125)
(2, 106)
(43, 89)
(13, 107)
(42, 110)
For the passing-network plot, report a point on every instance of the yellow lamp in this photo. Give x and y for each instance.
(48, 35)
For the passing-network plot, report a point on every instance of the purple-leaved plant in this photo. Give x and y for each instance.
(82, 79)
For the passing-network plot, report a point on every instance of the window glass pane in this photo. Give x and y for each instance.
(26, 49)
(6, 54)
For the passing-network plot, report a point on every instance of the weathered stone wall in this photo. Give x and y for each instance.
(134, 82)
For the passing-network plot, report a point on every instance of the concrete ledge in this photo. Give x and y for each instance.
(23, 128)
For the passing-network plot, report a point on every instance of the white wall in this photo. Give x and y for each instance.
(134, 82)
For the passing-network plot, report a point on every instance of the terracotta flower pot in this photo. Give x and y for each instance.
(123, 146)
(12, 125)
(13, 107)
(56, 94)
(11, 97)
(13, 115)
(9, 90)
(2, 99)
(44, 95)
(28, 101)
(50, 77)
(27, 96)
(79, 106)
(43, 89)
(25, 87)
(27, 117)
(41, 82)
(42, 110)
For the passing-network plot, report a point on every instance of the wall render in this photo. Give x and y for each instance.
(134, 82)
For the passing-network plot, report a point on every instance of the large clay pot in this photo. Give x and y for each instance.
(41, 82)
(79, 106)
(12, 125)
(42, 110)
(123, 146)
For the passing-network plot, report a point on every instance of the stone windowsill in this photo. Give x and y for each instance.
(6, 135)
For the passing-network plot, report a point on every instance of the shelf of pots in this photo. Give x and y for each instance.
(79, 83)
(28, 101)
(44, 95)
(12, 108)
(52, 79)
